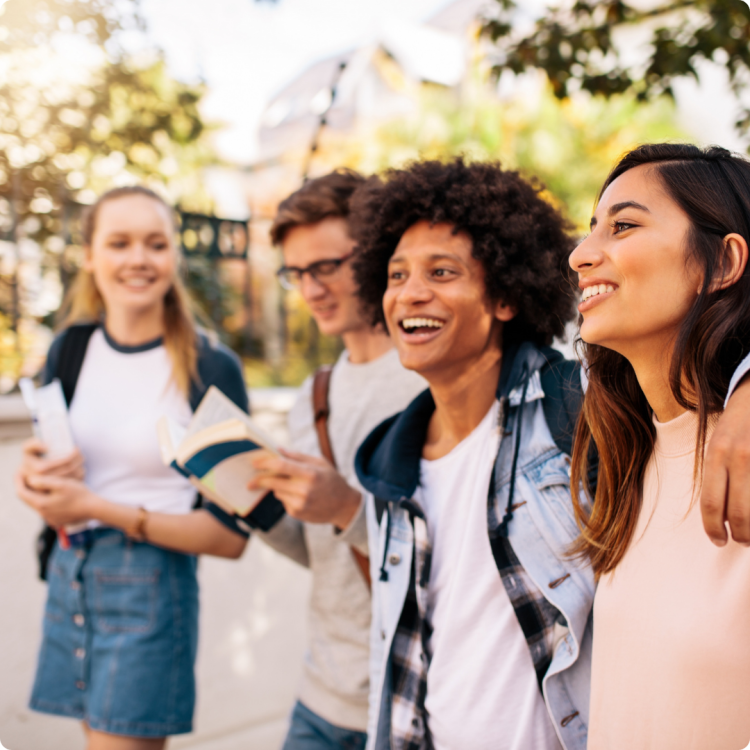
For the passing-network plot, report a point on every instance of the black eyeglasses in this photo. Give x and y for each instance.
(290, 277)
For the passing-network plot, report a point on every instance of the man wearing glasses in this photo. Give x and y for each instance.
(325, 527)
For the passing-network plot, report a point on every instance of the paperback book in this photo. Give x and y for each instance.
(215, 451)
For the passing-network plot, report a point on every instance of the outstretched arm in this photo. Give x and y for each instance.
(63, 500)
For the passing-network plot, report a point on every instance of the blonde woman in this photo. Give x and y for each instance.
(121, 620)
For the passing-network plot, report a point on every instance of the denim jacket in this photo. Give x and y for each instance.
(530, 526)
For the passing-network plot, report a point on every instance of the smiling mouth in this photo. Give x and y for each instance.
(137, 282)
(595, 290)
(421, 325)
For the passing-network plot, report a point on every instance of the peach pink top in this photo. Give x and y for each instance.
(671, 661)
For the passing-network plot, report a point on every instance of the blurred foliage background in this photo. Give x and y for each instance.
(81, 111)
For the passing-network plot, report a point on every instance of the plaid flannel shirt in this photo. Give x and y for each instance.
(410, 654)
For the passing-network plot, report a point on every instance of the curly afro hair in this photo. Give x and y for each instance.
(522, 241)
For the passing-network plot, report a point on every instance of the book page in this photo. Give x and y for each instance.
(170, 436)
(215, 407)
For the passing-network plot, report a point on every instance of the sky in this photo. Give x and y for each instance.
(246, 50)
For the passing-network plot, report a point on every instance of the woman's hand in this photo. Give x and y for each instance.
(34, 462)
(310, 488)
(59, 500)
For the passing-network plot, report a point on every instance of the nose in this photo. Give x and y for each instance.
(587, 255)
(310, 288)
(414, 290)
(138, 254)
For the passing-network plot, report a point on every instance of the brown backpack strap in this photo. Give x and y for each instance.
(321, 387)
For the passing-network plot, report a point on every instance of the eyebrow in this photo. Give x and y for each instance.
(435, 256)
(619, 207)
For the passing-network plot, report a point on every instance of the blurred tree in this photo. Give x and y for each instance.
(568, 146)
(78, 115)
(576, 46)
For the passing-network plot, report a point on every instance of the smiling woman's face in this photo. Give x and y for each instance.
(132, 256)
(633, 268)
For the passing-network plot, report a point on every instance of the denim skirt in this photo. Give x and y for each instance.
(120, 637)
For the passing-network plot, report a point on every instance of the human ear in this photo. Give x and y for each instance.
(734, 262)
(504, 312)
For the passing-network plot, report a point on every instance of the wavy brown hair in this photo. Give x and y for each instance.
(712, 186)
(84, 303)
(318, 199)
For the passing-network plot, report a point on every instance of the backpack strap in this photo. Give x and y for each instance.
(72, 353)
(67, 368)
(563, 398)
(321, 411)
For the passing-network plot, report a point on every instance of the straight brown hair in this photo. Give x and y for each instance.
(84, 303)
(712, 186)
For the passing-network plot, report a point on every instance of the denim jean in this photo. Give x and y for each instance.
(308, 731)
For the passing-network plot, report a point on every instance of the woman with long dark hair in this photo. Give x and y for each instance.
(665, 320)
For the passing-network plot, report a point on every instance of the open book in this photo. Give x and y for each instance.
(215, 451)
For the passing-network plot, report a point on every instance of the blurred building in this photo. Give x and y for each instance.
(346, 96)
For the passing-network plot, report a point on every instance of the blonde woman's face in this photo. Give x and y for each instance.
(132, 257)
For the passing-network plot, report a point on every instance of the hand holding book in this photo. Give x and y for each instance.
(310, 488)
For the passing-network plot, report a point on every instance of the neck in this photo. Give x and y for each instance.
(134, 328)
(367, 344)
(462, 399)
(652, 371)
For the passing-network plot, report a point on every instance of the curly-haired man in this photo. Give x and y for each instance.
(478, 617)
(481, 624)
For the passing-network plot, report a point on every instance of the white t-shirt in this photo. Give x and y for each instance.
(482, 692)
(119, 397)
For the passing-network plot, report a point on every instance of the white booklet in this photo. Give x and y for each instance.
(49, 416)
(49, 419)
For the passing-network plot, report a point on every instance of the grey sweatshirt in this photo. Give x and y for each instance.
(335, 679)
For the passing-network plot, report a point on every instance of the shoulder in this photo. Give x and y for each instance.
(72, 336)
(215, 357)
(220, 366)
(302, 409)
(385, 376)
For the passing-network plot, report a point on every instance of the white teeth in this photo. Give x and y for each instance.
(137, 282)
(592, 291)
(422, 323)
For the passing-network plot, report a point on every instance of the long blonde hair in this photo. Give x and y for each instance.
(83, 302)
